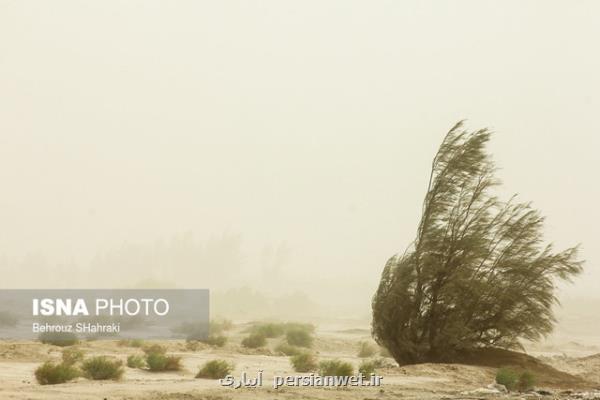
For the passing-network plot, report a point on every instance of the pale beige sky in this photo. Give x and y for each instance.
(309, 123)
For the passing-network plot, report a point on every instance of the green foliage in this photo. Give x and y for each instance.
(215, 340)
(136, 361)
(526, 381)
(366, 350)
(304, 362)
(477, 273)
(154, 349)
(158, 362)
(71, 356)
(50, 373)
(299, 337)
(335, 368)
(269, 330)
(514, 380)
(215, 369)
(287, 349)
(62, 339)
(254, 341)
(507, 377)
(367, 368)
(102, 368)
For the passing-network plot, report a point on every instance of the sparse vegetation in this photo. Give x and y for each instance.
(254, 341)
(304, 362)
(287, 349)
(526, 381)
(215, 369)
(136, 361)
(158, 362)
(514, 380)
(298, 336)
(367, 368)
(269, 330)
(366, 350)
(62, 339)
(215, 340)
(71, 356)
(51, 373)
(335, 368)
(154, 349)
(137, 343)
(102, 368)
(218, 326)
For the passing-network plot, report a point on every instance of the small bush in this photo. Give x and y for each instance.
(366, 350)
(215, 340)
(287, 349)
(154, 349)
(50, 373)
(102, 368)
(72, 356)
(367, 368)
(526, 381)
(299, 337)
(507, 377)
(215, 369)
(335, 368)
(254, 341)
(136, 361)
(309, 328)
(137, 343)
(62, 339)
(219, 326)
(158, 362)
(304, 362)
(269, 330)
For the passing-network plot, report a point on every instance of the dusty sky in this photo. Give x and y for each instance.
(305, 125)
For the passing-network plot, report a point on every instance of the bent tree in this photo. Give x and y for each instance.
(477, 274)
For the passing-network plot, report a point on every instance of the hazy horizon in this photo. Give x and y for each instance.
(285, 147)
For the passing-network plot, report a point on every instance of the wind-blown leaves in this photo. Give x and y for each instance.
(477, 273)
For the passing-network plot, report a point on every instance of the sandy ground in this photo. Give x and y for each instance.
(18, 360)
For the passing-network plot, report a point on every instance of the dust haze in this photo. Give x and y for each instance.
(278, 153)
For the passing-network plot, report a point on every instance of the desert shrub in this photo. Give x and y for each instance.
(335, 368)
(192, 345)
(287, 349)
(50, 373)
(366, 350)
(8, 319)
(158, 362)
(102, 368)
(218, 326)
(215, 340)
(367, 368)
(304, 362)
(310, 328)
(215, 369)
(62, 339)
(72, 356)
(299, 337)
(138, 343)
(136, 361)
(269, 330)
(507, 377)
(154, 349)
(526, 381)
(254, 340)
